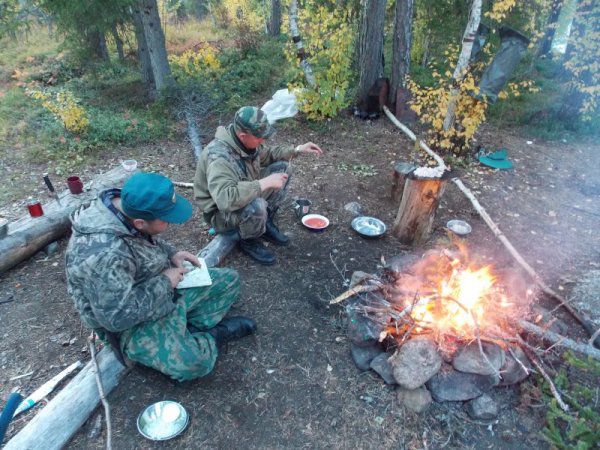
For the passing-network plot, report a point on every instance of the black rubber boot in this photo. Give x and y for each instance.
(257, 251)
(232, 328)
(272, 234)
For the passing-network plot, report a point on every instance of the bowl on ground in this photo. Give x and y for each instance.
(459, 227)
(162, 420)
(315, 222)
(369, 227)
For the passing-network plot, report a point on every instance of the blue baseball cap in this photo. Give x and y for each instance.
(151, 196)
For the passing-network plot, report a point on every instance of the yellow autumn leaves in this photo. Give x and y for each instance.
(64, 107)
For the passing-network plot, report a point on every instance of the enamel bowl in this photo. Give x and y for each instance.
(162, 420)
(369, 227)
(315, 222)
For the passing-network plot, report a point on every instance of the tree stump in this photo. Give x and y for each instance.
(420, 199)
(401, 170)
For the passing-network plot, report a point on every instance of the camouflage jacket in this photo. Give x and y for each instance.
(113, 274)
(227, 177)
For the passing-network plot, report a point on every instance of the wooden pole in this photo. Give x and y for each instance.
(60, 419)
(401, 171)
(417, 209)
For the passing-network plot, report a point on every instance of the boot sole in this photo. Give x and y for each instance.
(273, 241)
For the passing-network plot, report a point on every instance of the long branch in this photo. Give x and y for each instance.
(102, 396)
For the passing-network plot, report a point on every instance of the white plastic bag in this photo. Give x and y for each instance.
(282, 105)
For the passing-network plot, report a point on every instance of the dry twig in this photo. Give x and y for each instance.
(543, 373)
(359, 288)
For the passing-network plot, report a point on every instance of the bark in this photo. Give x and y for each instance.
(301, 53)
(546, 41)
(194, 136)
(217, 250)
(401, 45)
(275, 19)
(463, 59)
(370, 50)
(118, 42)
(155, 40)
(401, 171)
(143, 55)
(97, 44)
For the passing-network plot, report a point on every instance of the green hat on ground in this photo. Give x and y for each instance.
(151, 196)
(251, 120)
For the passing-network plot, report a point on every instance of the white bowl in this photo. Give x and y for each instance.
(129, 165)
(306, 221)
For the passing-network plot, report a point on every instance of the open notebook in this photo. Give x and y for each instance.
(197, 276)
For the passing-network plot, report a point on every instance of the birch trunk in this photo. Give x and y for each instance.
(370, 49)
(463, 60)
(155, 40)
(301, 53)
(401, 45)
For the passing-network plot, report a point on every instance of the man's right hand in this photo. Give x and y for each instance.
(175, 275)
(273, 181)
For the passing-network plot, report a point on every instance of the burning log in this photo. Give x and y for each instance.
(420, 200)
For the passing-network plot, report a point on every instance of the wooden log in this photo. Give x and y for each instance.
(417, 209)
(27, 235)
(60, 419)
(401, 171)
(217, 249)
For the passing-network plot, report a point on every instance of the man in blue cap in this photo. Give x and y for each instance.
(123, 280)
(241, 183)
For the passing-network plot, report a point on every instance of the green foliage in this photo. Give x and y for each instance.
(360, 170)
(328, 37)
(578, 429)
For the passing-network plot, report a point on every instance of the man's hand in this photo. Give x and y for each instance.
(179, 257)
(309, 147)
(273, 181)
(175, 275)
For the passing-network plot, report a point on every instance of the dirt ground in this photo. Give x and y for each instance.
(294, 385)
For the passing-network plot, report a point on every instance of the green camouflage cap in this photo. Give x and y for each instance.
(251, 120)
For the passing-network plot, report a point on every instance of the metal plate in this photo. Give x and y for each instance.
(162, 420)
(368, 226)
(459, 227)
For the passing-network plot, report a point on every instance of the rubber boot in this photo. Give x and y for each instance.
(272, 233)
(232, 328)
(257, 251)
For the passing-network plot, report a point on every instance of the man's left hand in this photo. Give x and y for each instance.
(179, 257)
(309, 147)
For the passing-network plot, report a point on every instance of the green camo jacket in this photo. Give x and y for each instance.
(114, 277)
(226, 177)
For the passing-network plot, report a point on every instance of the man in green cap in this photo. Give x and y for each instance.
(123, 280)
(240, 183)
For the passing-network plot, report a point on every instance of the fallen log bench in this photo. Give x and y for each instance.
(28, 235)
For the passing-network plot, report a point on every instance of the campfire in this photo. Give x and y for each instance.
(452, 297)
(443, 326)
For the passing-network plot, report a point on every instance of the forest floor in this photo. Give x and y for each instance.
(294, 384)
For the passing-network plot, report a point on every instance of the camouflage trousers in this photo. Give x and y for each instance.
(168, 346)
(251, 220)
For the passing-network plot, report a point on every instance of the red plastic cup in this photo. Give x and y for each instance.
(75, 185)
(35, 208)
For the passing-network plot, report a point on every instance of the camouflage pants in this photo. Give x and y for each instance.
(168, 346)
(252, 219)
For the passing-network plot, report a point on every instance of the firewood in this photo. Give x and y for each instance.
(359, 288)
(401, 171)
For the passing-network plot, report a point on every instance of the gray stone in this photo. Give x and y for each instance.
(470, 360)
(353, 208)
(416, 400)
(415, 362)
(382, 366)
(512, 372)
(482, 408)
(363, 356)
(450, 385)
(51, 249)
(362, 331)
